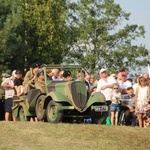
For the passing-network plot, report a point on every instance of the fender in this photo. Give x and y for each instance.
(16, 110)
(97, 97)
(58, 97)
(32, 98)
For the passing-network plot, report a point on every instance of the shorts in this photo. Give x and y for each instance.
(8, 105)
(114, 107)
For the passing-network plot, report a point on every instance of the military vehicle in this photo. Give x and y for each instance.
(63, 100)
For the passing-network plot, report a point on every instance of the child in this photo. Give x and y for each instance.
(142, 96)
(128, 105)
(115, 106)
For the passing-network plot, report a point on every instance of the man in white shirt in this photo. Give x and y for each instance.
(105, 85)
(124, 83)
(8, 84)
(56, 74)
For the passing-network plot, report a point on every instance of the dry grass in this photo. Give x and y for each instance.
(45, 136)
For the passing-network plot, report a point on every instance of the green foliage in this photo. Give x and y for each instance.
(100, 41)
(88, 32)
(33, 30)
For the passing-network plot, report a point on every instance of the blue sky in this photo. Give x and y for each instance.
(140, 11)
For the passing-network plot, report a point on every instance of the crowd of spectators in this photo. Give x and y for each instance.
(119, 90)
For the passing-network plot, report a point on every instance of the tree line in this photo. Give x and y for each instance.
(87, 32)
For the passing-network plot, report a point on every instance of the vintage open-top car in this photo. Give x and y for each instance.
(63, 100)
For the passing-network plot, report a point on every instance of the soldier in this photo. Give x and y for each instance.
(30, 78)
(40, 84)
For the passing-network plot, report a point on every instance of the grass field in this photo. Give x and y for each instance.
(46, 136)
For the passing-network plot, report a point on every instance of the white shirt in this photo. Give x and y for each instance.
(9, 92)
(108, 91)
(125, 84)
(135, 87)
(56, 79)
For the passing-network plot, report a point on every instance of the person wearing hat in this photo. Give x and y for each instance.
(105, 85)
(4, 76)
(8, 84)
(40, 83)
(67, 75)
(124, 83)
(30, 78)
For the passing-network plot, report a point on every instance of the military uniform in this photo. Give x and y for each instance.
(29, 80)
(40, 84)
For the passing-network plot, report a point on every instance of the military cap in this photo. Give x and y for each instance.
(41, 72)
(5, 75)
(35, 65)
(66, 73)
(43, 65)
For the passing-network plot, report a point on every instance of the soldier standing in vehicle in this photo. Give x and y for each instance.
(40, 83)
(30, 78)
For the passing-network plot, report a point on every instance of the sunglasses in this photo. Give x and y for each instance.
(115, 88)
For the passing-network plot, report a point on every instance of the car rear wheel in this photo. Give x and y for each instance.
(39, 109)
(100, 119)
(22, 115)
(54, 115)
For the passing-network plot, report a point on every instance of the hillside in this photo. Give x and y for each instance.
(44, 136)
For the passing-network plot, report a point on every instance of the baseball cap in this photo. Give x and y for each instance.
(66, 73)
(124, 73)
(102, 70)
(14, 73)
(5, 75)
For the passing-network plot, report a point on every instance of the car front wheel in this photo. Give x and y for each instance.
(54, 115)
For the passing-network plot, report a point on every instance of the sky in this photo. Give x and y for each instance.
(140, 10)
(140, 15)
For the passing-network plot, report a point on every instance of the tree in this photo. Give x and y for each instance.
(11, 41)
(45, 28)
(99, 40)
(32, 31)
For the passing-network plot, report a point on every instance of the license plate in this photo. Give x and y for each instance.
(101, 108)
